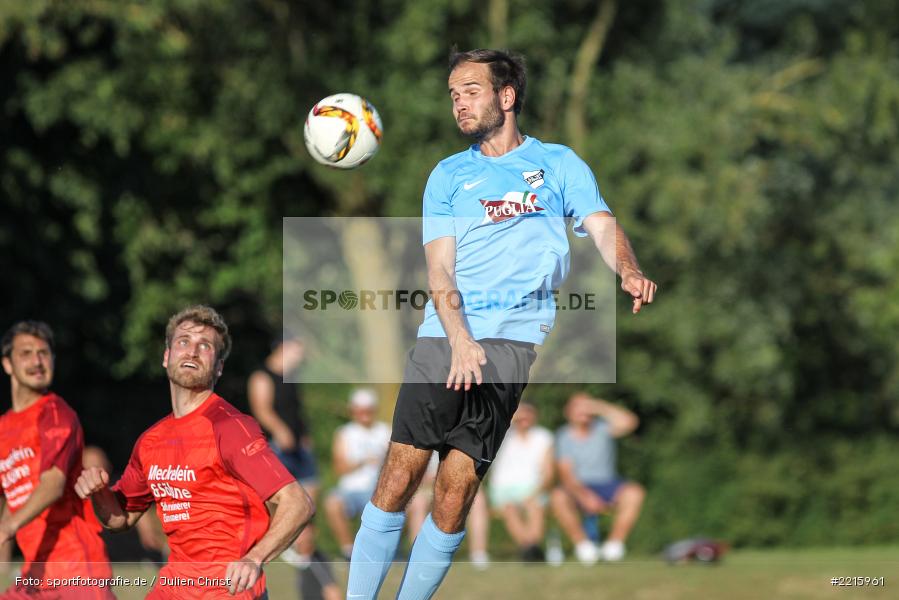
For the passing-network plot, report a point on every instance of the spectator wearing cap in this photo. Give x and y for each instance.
(357, 453)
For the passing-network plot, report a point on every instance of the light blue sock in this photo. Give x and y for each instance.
(373, 551)
(432, 554)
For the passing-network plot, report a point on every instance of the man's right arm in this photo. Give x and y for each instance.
(547, 471)
(149, 532)
(467, 355)
(339, 460)
(584, 496)
(93, 483)
(261, 393)
(621, 420)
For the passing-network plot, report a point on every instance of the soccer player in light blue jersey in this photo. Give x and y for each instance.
(496, 247)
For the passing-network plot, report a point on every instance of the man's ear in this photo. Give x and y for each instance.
(165, 359)
(507, 98)
(7, 365)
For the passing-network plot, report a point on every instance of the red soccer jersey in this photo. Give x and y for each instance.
(63, 541)
(210, 473)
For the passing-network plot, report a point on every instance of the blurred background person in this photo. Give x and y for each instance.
(520, 479)
(358, 450)
(589, 481)
(277, 404)
(477, 524)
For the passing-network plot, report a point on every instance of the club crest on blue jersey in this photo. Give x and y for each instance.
(513, 204)
(533, 178)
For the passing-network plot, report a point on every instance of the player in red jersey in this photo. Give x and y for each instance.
(40, 459)
(226, 503)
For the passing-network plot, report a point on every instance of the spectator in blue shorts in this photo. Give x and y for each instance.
(589, 481)
(358, 450)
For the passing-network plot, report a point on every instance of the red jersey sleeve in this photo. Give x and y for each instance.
(132, 489)
(246, 455)
(62, 440)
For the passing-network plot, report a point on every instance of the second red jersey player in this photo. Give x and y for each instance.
(226, 503)
(41, 442)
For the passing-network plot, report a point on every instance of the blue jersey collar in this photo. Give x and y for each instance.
(476, 150)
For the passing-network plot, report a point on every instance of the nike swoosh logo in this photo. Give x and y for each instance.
(473, 184)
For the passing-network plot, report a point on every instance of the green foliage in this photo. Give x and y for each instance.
(801, 496)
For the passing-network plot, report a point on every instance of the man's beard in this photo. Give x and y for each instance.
(191, 380)
(493, 119)
(27, 380)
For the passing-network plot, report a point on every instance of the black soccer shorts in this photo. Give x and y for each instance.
(431, 417)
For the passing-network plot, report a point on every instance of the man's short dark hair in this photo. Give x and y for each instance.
(506, 69)
(38, 329)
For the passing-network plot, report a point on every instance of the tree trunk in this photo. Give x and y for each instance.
(498, 22)
(367, 257)
(584, 64)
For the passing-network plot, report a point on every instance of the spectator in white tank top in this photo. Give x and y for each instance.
(520, 478)
(358, 451)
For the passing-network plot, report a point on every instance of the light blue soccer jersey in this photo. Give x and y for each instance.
(508, 215)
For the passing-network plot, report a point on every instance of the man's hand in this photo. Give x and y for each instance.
(468, 358)
(616, 251)
(91, 481)
(591, 502)
(639, 286)
(243, 574)
(284, 439)
(7, 530)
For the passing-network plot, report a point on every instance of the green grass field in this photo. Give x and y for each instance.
(743, 575)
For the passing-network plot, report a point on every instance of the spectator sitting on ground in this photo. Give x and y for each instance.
(589, 481)
(521, 476)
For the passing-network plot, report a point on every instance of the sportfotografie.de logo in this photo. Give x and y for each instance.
(375, 300)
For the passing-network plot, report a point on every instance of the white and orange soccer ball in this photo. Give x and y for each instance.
(343, 131)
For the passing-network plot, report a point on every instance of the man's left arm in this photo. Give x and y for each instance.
(291, 509)
(617, 252)
(50, 489)
(247, 457)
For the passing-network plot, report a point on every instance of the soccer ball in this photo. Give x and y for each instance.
(343, 131)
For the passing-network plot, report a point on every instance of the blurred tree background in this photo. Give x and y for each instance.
(150, 150)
